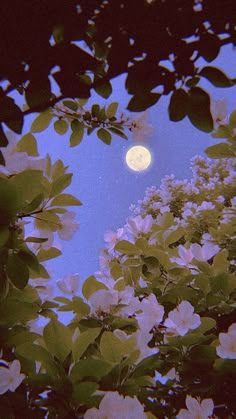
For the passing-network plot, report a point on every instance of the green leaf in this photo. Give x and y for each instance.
(4, 235)
(91, 285)
(220, 150)
(207, 323)
(216, 77)
(77, 134)
(38, 353)
(61, 126)
(73, 106)
(61, 183)
(90, 367)
(65, 200)
(38, 93)
(104, 136)
(29, 184)
(232, 119)
(140, 102)
(47, 220)
(118, 132)
(28, 144)
(178, 107)
(82, 392)
(11, 114)
(17, 271)
(209, 46)
(104, 89)
(42, 121)
(223, 131)
(124, 246)
(199, 111)
(110, 347)
(29, 258)
(111, 110)
(58, 339)
(8, 201)
(34, 204)
(95, 110)
(83, 341)
(51, 253)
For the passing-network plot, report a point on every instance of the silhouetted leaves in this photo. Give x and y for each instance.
(199, 109)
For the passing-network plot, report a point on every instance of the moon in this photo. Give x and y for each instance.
(138, 158)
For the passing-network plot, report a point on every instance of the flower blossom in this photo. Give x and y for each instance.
(69, 284)
(219, 112)
(139, 225)
(196, 409)
(205, 252)
(114, 405)
(182, 318)
(68, 226)
(11, 377)
(112, 237)
(140, 127)
(227, 347)
(152, 313)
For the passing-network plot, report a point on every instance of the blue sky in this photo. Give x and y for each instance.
(104, 183)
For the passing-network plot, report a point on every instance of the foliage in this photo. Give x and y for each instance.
(76, 46)
(153, 330)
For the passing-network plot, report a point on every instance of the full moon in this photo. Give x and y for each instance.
(138, 158)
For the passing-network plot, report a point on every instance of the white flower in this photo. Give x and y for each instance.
(196, 410)
(152, 313)
(69, 284)
(43, 288)
(140, 127)
(139, 225)
(68, 226)
(219, 112)
(112, 237)
(186, 256)
(205, 252)
(227, 347)
(18, 161)
(182, 318)
(114, 406)
(10, 378)
(142, 339)
(103, 299)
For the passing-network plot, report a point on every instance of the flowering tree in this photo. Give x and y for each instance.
(153, 332)
(61, 50)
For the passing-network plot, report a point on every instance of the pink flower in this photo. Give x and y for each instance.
(68, 226)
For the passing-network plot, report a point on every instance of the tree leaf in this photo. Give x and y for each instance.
(38, 93)
(65, 200)
(178, 107)
(104, 89)
(58, 339)
(199, 111)
(51, 253)
(111, 110)
(28, 144)
(220, 150)
(216, 77)
(83, 341)
(17, 271)
(42, 121)
(77, 133)
(90, 368)
(11, 114)
(73, 106)
(140, 102)
(3, 139)
(118, 132)
(110, 347)
(91, 285)
(61, 183)
(104, 136)
(60, 126)
(232, 119)
(124, 246)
